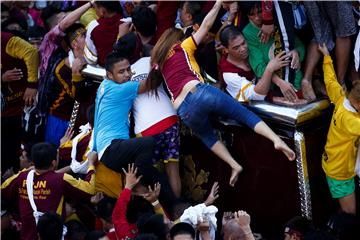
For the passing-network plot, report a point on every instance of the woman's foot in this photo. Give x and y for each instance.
(235, 174)
(281, 145)
(307, 90)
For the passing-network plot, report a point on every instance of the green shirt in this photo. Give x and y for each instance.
(260, 54)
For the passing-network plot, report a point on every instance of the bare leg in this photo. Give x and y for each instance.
(312, 59)
(342, 51)
(348, 203)
(221, 151)
(264, 130)
(172, 171)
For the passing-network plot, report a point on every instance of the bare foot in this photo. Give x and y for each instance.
(307, 90)
(281, 145)
(234, 175)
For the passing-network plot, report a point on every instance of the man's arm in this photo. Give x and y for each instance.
(78, 188)
(74, 16)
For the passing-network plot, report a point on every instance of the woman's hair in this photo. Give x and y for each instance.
(355, 91)
(159, 55)
(228, 33)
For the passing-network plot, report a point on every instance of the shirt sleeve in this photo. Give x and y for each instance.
(10, 188)
(90, 52)
(333, 88)
(351, 124)
(189, 45)
(78, 188)
(21, 49)
(122, 227)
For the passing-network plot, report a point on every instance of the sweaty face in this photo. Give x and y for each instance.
(121, 72)
(183, 237)
(238, 48)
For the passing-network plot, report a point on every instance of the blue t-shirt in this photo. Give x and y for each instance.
(112, 106)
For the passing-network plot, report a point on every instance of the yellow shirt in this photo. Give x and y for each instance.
(18, 48)
(338, 159)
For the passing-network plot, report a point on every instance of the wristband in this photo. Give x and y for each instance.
(155, 203)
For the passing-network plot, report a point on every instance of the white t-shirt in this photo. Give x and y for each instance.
(241, 88)
(148, 109)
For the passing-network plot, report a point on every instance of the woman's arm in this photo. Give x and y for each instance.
(207, 22)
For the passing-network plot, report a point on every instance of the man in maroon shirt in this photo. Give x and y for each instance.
(102, 33)
(49, 188)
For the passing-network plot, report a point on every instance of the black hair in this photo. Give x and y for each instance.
(112, 58)
(153, 223)
(110, 6)
(42, 154)
(144, 20)
(199, 18)
(12, 19)
(50, 226)
(130, 46)
(300, 224)
(182, 228)
(136, 207)
(72, 31)
(318, 235)
(248, 7)
(228, 33)
(193, 7)
(95, 235)
(146, 236)
(75, 230)
(90, 113)
(105, 207)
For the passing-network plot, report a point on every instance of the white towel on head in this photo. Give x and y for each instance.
(201, 212)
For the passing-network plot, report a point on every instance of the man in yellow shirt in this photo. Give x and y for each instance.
(343, 138)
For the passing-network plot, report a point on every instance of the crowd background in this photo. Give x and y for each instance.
(93, 177)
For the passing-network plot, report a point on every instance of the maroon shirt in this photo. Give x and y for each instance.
(50, 188)
(104, 36)
(226, 66)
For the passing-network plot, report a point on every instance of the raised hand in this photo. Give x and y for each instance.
(67, 136)
(130, 176)
(214, 194)
(153, 194)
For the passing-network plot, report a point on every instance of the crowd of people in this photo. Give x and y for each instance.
(89, 152)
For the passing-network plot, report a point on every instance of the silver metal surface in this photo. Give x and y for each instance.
(302, 174)
(95, 72)
(291, 115)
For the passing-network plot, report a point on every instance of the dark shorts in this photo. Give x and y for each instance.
(122, 152)
(167, 145)
(331, 19)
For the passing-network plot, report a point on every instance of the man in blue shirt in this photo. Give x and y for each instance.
(116, 150)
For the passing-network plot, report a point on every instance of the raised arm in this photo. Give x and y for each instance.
(207, 22)
(74, 16)
(333, 88)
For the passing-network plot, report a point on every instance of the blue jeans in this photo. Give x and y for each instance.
(206, 101)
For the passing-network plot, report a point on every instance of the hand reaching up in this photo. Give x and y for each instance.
(153, 193)
(214, 194)
(130, 176)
